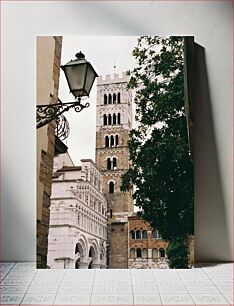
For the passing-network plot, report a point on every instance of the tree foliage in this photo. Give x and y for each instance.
(161, 168)
(178, 253)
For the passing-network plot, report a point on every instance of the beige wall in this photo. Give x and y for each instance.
(48, 72)
(45, 88)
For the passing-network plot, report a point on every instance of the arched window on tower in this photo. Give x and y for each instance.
(112, 143)
(144, 235)
(162, 252)
(138, 234)
(114, 163)
(114, 119)
(118, 97)
(116, 140)
(111, 187)
(105, 99)
(109, 119)
(104, 120)
(107, 141)
(108, 163)
(118, 118)
(154, 234)
(138, 252)
(114, 98)
(109, 99)
(132, 235)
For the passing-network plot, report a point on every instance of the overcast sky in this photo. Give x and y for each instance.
(102, 52)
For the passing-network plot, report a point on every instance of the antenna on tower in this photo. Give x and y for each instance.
(114, 66)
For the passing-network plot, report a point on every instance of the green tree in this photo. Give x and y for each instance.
(161, 168)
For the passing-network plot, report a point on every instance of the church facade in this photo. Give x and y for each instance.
(78, 216)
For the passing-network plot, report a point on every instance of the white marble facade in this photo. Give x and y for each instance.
(78, 217)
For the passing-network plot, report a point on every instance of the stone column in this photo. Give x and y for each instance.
(96, 266)
(70, 264)
(150, 258)
(83, 265)
(88, 198)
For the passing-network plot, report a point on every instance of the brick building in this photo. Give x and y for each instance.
(146, 248)
(114, 121)
(48, 72)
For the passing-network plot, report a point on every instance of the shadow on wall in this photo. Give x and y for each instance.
(210, 214)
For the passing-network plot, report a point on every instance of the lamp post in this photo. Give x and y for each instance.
(80, 76)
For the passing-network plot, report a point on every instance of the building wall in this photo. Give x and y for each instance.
(150, 246)
(117, 244)
(78, 219)
(119, 204)
(48, 71)
(63, 160)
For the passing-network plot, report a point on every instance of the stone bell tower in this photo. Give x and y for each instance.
(114, 121)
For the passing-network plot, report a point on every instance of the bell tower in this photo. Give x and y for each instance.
(113, 123)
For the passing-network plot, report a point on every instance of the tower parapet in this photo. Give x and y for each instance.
(112, 79)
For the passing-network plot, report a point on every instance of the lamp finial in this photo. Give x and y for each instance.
(80, 55)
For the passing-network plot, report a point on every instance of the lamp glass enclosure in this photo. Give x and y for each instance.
(91, 75)
(80, 76)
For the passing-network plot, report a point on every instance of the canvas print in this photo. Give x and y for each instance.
(115, 163)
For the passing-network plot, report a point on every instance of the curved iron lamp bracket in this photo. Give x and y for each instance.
(49, 112)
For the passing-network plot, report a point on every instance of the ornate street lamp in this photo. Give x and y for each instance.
(80, 76)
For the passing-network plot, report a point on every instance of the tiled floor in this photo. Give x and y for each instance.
(207, 284)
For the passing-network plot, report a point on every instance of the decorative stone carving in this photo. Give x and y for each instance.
(73, 223)
(77, 256)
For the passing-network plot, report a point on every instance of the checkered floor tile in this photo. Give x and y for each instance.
(207, 284)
